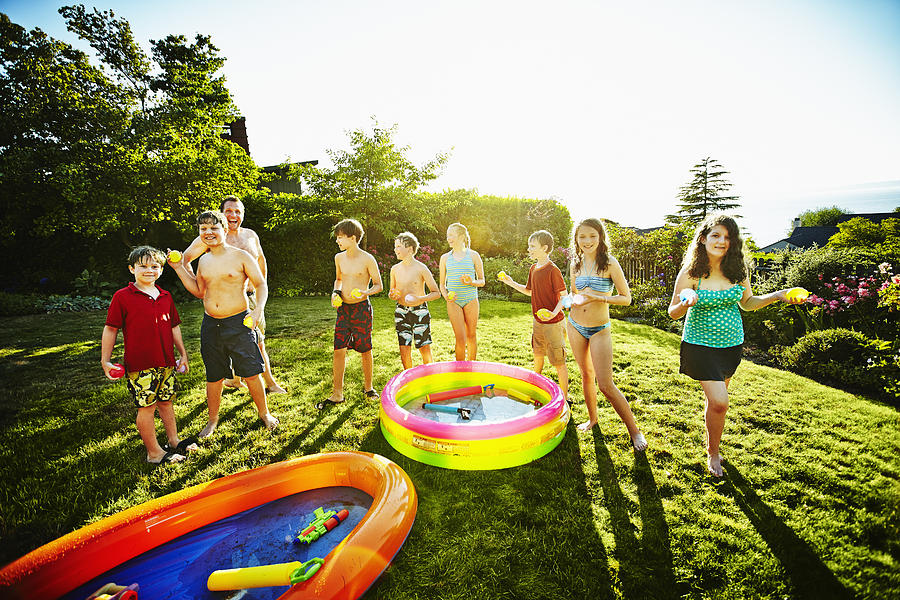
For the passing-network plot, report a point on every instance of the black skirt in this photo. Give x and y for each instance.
(709, 364)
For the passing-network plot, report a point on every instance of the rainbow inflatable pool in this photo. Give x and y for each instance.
(475, 439)
(242, 520)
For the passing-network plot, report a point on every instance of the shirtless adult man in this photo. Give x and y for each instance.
(354, 270)
(411, 317)
(226, 342)
(245, 239)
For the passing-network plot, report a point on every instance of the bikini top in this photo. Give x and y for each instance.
(598, 284)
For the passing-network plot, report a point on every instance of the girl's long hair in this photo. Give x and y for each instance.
(603, 249)
(734, 267)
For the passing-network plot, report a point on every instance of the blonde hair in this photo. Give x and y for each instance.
(462, 228)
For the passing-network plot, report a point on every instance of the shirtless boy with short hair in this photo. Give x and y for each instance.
(355, 271)
(245, 239)
(411, 317)
(225, 341)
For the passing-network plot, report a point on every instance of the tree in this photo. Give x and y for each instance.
(704, 195)
(820, 217)
(375, 182)
(131, 147)
(859, 232)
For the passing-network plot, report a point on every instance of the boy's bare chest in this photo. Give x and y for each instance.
(408, 274)
(354, 267)
(222, 270)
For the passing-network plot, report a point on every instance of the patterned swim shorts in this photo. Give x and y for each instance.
(150, 386)
(353, 326)
(413, 325)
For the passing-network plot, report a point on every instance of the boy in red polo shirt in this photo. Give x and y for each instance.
(546, 287)
(150, 328)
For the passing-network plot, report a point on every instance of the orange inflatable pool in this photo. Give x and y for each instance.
(63, 565)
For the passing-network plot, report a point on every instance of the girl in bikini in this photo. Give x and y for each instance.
(712, 284)
(593, 274)
(462, 273)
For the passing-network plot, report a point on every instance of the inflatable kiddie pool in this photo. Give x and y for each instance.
(184, 536)
(530, 421)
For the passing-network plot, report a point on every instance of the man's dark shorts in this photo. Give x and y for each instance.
(353, 326)
(228, 343)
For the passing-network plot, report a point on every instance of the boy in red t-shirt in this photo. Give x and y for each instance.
(150, 328)
(546, 287)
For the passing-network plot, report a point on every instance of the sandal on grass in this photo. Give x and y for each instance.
(188, 444)
(168, 458)
(372, 394)
(328, 402)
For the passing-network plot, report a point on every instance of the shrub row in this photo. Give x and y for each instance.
(33, 304)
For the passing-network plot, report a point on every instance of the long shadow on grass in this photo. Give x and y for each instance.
(646, 568)
(300, 444)
(809, 575)
(522, 532)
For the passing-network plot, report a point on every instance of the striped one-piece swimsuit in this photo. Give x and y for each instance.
(456, 268)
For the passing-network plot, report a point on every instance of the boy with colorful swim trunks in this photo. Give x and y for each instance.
(411, 317)
(356, 278)
(546, 287)
(227, 336)
(150, 328)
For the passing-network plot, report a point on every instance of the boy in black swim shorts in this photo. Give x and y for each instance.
(411, 317)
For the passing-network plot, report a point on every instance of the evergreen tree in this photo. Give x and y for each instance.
(705, 194)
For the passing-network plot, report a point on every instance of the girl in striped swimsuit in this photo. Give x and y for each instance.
(713, 283)
(462, 273)
(593, 274)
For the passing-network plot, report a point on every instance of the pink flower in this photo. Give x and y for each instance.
(820, 277)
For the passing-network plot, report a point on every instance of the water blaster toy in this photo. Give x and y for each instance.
(117, 371)
(263, 576)
(174, 256)
(458, 393)
(465, 413)
(356, 294)
(797, 293)
(323, 522)
(543, 314)
(336, 300)
(111, 591)
(687, 294)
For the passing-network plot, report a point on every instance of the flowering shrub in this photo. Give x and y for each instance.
(855, 302)
(386, 260)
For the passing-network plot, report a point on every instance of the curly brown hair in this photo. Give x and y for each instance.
(734, 267)
(602, 250)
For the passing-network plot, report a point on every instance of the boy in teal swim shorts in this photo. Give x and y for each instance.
(411, 317)
(150, 328)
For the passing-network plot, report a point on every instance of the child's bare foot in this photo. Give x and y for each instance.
(208, 430)
(269, 421)
(165, 458)
(639, 442)
(329, 401)
(275, 389)
(714, 465)
(587, 426)
(235, 384)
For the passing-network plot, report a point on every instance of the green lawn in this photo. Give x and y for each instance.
(810, 506)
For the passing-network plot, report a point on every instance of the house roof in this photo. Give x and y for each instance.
(804, 237)
(874, 217)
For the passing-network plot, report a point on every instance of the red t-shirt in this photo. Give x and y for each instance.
(146, 326)
(545, 284)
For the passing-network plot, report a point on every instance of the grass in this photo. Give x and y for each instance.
(810, 507)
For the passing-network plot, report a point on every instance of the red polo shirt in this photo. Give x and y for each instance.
(146, 326)
(545, 283)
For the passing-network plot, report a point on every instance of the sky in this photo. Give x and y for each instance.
(604, 106)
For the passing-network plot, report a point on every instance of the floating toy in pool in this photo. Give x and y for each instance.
(352, 564)
(520, 419)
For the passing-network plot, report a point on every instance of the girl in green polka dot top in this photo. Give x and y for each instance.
(712, 284)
